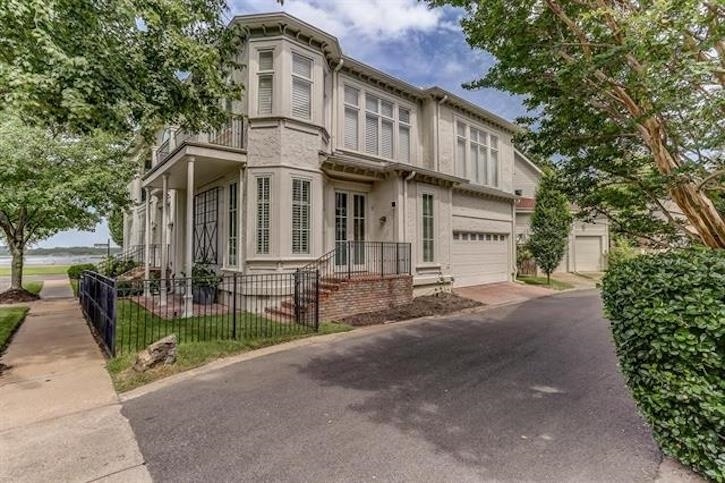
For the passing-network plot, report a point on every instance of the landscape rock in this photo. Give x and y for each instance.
(163, 351)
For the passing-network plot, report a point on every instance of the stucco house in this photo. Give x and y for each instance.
(325, 155)
(588, 241)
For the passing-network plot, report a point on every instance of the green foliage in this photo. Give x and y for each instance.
(204, 275)
(75, 271)
(118, 66)
(604, 82)
(668, 320)
(114, 266)
(550, 225)
(115, 226)
(10, 320)
(621, 251)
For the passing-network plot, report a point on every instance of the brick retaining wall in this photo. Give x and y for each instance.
(360, 296)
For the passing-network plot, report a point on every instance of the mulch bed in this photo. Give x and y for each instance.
(440, 304)
(16, 296)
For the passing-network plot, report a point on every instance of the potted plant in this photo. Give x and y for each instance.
(204, 283)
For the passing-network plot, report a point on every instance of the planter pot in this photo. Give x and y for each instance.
(204, 295)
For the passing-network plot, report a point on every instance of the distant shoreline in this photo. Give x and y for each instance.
(64, 251)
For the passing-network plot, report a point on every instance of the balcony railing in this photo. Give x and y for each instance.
(230, 135)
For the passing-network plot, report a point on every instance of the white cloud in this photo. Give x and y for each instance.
(375, 20)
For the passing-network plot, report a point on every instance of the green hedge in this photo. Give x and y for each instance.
(74, 271)
(668, 320)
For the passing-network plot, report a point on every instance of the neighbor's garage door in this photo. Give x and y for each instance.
(588, 253)
(479, 258)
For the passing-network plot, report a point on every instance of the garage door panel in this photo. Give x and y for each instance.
(480, 258)
(588, 253)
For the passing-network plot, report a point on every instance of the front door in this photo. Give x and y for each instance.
(349, 231)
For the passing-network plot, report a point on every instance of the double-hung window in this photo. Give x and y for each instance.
(404, 135)
(263, 212)
(232, 234)
(427, 221)
(301, 86)
(300, 215)
(265, 82)
(476, 155)
(379, 126)
(352, 113)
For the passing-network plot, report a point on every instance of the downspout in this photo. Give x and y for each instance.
(333, 130)
(436, 140)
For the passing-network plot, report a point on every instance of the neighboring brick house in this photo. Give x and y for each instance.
(326, 154)
(588, 242)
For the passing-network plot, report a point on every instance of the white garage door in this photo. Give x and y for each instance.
(479, 258)
(588, 253)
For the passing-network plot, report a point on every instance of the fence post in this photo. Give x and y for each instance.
(112, 317)
(317, 300)
(297, 296)
(234, 306)
(397, 259)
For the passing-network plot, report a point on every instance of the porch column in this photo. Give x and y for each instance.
(147, 243)
(164, 236)
(189, 245)
(241, 206)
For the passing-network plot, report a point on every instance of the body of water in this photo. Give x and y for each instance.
(53, 259)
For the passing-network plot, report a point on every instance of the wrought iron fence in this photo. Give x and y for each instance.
(364, 259)
(231, 134)
(97, 296)
(229, 307)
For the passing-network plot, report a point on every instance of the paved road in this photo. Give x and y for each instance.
(519, 393)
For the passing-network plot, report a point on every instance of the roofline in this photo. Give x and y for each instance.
(531, 163)
(275, 18)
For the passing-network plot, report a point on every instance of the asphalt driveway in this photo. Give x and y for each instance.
(527, 392)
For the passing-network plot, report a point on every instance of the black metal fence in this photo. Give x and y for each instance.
(97, 296)
(364, 259)
(211, 308)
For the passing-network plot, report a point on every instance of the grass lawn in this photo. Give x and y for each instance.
(33, 287)
(10, 320)
(136, 328)
(38, 270)
(541, 281)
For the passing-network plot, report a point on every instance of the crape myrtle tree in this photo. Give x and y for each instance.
(550, 225)
(115, 226)
(75, 75)
(628, 96)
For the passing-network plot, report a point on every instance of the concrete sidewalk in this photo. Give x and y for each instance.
(56, 289)
(61, 418)
(503, 293)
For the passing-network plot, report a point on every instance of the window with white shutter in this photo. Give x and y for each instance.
(352, 116)
(386, 139)
(301, 86)
(265, 82)
(493, 161)
(404, 135)
(371, 134)
(263, 213)
(427, 220)
(300, 215)
(233, 211)
(482, 164)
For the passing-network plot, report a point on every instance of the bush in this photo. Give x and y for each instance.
(75, 271)
(621, 250)
(668, 320)
(113, 267)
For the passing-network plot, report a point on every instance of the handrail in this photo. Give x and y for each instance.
(363, 259)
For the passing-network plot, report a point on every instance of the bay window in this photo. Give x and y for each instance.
(476, 155)
(265, 82)
(301, 86)
(263, 211)
(300, 215)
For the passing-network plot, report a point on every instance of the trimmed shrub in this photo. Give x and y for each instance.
(668, 320)
(75, 271)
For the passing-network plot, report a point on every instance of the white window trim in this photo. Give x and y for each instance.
(422, 228)
(269, 214)
(233, 264)
(309, 216)
(363, 90)
(310, 81)
(469, 172)
(265, 73)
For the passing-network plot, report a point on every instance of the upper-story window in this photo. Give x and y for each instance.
(386, 127)
(301, 86)
(265, 82)
(476, 155)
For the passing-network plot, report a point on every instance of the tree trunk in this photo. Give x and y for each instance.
(16, 268)
(548, 278)
(697, 207)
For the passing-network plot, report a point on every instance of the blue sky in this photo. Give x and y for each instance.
(401, 37)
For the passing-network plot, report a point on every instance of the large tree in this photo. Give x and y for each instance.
(52, 183)
(628, 95)
(77, 80)
(550, 225)
(116, 65)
